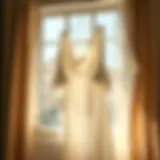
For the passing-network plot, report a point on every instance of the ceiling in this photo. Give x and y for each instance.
(61, 1)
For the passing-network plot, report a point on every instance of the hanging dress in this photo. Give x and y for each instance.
(86, 129)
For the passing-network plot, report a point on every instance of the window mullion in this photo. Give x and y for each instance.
(93, 22)
(68, 25)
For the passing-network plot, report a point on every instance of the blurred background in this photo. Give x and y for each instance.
(120, 69)
(32, 114)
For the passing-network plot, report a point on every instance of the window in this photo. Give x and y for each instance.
(81, 25)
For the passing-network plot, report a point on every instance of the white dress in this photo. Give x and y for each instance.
(86, 132)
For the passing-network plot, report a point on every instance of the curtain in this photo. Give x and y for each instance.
(143, 119)
(22, 22)
(24, 47)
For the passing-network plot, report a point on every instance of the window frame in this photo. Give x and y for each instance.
(81, 7)
(68, 10)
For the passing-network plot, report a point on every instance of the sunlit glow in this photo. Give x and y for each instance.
(118, 97)
(80, 52)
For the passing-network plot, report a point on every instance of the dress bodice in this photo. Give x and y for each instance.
(90, 65)
(82, 66)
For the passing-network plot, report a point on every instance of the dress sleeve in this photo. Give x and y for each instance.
(101, 75)
(60, 77)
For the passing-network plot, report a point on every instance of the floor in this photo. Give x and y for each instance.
(48, 146)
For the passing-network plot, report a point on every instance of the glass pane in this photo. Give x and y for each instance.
(50, 117)
(80, 27)
(49, 111)
(52, 27)
(113, 56)
(111, 23)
